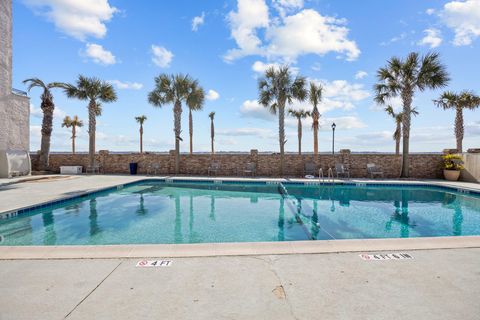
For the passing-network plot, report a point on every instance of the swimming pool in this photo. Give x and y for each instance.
(158, 212)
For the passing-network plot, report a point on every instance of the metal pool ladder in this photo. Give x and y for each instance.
(329, 175)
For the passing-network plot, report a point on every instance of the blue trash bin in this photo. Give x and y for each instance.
(133, 167)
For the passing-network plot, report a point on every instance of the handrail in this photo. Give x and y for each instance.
(19, 92)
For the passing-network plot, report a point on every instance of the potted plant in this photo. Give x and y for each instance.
(452, 165)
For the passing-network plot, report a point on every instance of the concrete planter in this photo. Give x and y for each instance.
(451, 175)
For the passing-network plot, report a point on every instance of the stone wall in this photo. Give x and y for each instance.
(5, 47)
(232, 164)
(14, 109)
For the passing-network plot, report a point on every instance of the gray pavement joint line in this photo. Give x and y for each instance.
(270, 262)
(88, 295)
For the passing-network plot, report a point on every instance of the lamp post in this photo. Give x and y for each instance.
(333, 138)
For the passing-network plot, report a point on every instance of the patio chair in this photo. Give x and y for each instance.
(214, 168)
(310, 169)
(250, 168)
(342, 170)
(153, 168)
(96, 168)
(373, 170)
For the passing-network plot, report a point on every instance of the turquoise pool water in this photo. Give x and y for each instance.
(153, 212)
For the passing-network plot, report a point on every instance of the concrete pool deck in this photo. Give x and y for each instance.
(435, 284)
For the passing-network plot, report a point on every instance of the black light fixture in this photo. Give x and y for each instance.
(333, 137)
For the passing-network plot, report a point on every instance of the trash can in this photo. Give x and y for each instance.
(133, 167)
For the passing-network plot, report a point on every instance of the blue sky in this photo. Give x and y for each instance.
(226, 45)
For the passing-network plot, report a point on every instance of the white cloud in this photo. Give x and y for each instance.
(161, 56)
(198, 21)
(99, 55)
(285, 6)
(316, 66)
(337, 94)
(250, 15)
(340, 94)
(432, 38)
(212, 95)
(430, 11)
(78, 19)
(400, 37)
(313, 33)
(260, 67)
(345, 123)
(348, 122)
(360, 74)
(126, 85)
(396, 103)
(464, 18)
(289, 3)
(258, 132)
(38, 113)
(36, 131)
(252, 109)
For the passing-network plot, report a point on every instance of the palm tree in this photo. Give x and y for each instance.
(48, 108)
(195, 102)
(141, 120)
(402, 78)
(72, 123)
(276, 89)
(315, 96)
(95, 91)
(299, 114)
(211, 115)
(397, 135)
(459, 102)
(175, 89)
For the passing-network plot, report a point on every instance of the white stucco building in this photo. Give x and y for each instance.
(14, 105)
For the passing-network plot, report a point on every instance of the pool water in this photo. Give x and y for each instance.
(153, 212)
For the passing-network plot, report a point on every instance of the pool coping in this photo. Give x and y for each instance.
(235, 248)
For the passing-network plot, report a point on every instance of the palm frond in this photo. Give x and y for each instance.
(315, 94)
(35, 82)
(141, 119)
(389, 110)
(447, 100)
(432, 73)
(469, 100)
(67, 122)
(195, 97)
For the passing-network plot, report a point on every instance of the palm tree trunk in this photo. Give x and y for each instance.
(299, 136)
(190, 130)
(141, 138)
(407, 97)
(92, 123)
(212, 135)
(73, 138)
(47, 123)
(459, 130)
(177, 111)
(315, 131)
(281, 133)
(398, 138)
